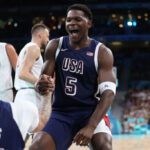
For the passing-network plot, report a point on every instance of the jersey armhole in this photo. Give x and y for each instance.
(59, 47)
(96, 56)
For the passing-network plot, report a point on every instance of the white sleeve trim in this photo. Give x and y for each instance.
(96, 56)
(59, 46)
(107, 86)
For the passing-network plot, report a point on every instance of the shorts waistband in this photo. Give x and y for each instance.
(26, 88)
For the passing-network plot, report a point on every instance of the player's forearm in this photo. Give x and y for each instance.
(101, 109)
(27, 77)
(44, 108)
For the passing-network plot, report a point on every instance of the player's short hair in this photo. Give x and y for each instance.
(38, 27)
(83, 8)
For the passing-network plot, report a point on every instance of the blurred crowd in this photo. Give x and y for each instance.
(136, 110)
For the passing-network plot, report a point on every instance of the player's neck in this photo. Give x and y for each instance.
(81, 44)
(35, 40)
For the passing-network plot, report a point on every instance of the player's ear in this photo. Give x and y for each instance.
(89, 24)
(40, 34)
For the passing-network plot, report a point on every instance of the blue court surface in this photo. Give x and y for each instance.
(128, 136)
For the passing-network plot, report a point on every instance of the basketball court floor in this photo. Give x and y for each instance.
(121, 142)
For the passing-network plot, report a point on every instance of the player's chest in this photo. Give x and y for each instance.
(78, 63)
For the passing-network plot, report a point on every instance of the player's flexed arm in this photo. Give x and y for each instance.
(107, 87)
(31, 55)
(44, 85)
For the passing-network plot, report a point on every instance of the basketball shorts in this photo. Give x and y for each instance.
(7, 95)
(28, 95)
(64, 126)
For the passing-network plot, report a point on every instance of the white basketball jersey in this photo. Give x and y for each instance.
(36, 69)
(5, 69)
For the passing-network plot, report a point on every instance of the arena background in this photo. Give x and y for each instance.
(122, 25)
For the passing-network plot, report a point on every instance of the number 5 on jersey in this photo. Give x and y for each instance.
(70, 86)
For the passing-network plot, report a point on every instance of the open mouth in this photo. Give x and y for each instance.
(74, 33)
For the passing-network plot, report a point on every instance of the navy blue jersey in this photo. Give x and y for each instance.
(76, 77)
(10, 136)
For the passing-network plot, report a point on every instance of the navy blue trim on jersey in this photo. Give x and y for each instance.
(10, 136)
(76, 78)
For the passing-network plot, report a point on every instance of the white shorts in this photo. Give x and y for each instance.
(7, 95)
(26, 116)
(103, 126)
(28, 95)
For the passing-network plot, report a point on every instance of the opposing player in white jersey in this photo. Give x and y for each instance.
(29, 64)
(8, 59)
(28, 69)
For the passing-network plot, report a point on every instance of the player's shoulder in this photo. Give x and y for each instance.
(105, 51)
(105, 56)
(33, 48)
(9, 46)
(52, 45)
(53, 42)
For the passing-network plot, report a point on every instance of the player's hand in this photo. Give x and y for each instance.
(44, 85)
(84, 136)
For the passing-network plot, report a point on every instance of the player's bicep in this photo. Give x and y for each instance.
(106, 77)
(30, 57)
(48, 67)
(49, 56)
(11, 52)
(105, 69)
(27, 64)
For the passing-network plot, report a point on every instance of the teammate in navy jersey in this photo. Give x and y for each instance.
(9, 131)
(83, 68)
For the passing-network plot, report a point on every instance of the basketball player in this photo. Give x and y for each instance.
(8, 59)
(30, 63)
(83, 67)
(16, 120)
(29, 67)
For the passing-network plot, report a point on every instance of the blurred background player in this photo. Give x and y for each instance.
(8, 60)
(29, 67)
(30, 63)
